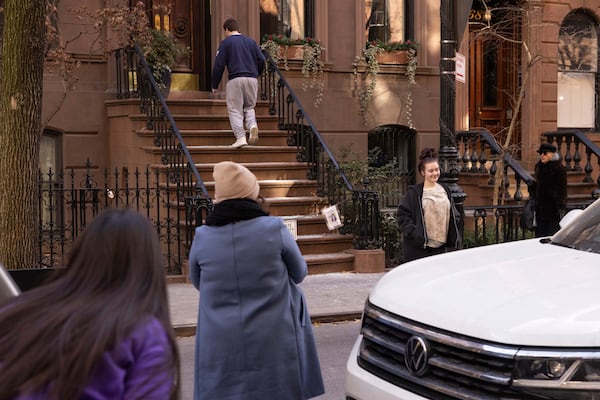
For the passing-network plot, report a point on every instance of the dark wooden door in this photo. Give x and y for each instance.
(494, 62)
(487, 96)
(190, 22)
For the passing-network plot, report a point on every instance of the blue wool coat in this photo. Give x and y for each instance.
(254, 338)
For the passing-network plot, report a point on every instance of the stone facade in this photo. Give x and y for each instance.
(339, 25)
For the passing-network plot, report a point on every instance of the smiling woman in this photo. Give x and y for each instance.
(427, 216)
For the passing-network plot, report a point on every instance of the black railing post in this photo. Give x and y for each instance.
(448, 154)
(367, 233)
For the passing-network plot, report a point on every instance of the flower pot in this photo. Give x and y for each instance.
(295, 52)
(165, 83)
(393, 57)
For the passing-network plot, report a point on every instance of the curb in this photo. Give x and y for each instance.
(190, 330)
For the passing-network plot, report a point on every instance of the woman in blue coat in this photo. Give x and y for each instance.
(254, 338)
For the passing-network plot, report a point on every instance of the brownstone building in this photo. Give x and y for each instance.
(545, 51)
(558, 94)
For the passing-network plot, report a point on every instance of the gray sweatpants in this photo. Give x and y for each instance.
(240, 94)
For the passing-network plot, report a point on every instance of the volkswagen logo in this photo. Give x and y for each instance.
(416, 355)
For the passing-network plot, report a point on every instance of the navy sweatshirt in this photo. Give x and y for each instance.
(242, 57)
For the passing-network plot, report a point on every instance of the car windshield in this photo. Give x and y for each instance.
(583, 233)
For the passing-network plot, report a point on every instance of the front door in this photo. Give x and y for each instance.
(494, 60)
(189, 20)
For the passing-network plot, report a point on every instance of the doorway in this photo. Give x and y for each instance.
(190, 22)
(494, 68)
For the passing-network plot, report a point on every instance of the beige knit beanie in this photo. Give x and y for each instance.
(234, 181)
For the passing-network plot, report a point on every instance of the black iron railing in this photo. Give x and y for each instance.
(359, 207)
(498, 224)
(135, 80)
(70, 199)
(477, 147)
(571, 144)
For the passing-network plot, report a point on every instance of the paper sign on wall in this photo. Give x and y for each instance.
(332, 217)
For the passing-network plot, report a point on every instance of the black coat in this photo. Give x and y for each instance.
(550, 191)
(410, 222)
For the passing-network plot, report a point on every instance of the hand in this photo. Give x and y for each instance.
(215, 90)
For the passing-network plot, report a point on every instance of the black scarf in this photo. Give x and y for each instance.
(234, 210)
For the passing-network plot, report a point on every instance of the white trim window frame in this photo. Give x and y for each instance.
(578, 72)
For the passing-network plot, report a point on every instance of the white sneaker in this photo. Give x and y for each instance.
(241, 142)
(253, 139)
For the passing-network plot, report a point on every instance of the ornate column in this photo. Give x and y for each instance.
(448, 153)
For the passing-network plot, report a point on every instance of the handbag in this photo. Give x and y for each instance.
(528, 217)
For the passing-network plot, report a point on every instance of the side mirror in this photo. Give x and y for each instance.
(569, 217)
(8, 287)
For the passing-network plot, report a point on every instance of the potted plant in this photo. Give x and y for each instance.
(282, 48)
(371, 56)
(162, 52)
(393, 52)
(127, 26)
(308, 50)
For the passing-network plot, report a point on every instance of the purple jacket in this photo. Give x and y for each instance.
(129, 370)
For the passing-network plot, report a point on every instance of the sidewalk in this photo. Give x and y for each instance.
(330, 297)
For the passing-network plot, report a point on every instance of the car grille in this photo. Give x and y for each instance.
(458, 367)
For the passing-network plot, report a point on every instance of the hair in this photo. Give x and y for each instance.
(231, 25)
(428, 155)
(57, 332)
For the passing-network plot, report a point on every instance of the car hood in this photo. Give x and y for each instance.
(521, 293)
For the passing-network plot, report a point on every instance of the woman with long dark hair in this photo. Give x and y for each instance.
(102, 330)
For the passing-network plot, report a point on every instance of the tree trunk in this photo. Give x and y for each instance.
(20, 123)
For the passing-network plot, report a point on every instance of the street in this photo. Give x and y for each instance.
(334, 342)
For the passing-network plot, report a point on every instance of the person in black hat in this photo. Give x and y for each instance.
(550, 191)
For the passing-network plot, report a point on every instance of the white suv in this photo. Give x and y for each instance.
(514, 321)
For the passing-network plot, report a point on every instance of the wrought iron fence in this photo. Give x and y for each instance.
(475, 146)
(571, 144)
(498, 224)
(359, 208)
(70, 199)
(484, 225)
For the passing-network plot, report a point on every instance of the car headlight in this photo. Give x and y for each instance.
(559, 375)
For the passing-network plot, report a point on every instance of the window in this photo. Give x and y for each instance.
(291, 18)
(577, 71)
(387, 20)
(50, 187)
(50, 151)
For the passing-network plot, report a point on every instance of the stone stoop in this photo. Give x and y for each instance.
(204, 125)
(480, 192)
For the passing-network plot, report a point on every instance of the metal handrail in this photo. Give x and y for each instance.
(495, 148)
(572, 161)
(273, 67)
(173, 126)
(483, 135)
(361, 215)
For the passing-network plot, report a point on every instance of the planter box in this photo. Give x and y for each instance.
(295, 52)
(393, 57)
